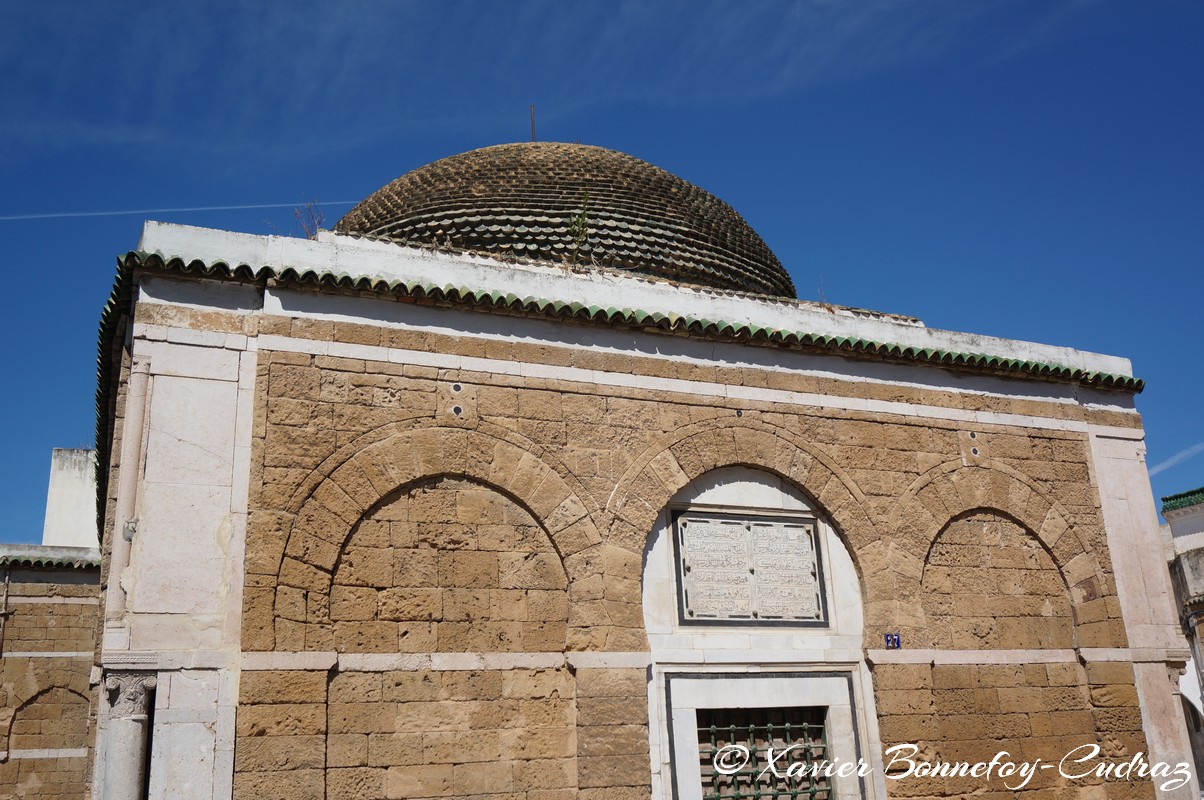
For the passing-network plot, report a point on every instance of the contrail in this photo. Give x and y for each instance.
(1177, 458)
(64, 214)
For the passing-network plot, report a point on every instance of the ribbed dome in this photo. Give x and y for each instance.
(573, 203)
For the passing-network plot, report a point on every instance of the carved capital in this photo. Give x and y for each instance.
(129, 692)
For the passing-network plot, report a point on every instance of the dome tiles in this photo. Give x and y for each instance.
(573, 204)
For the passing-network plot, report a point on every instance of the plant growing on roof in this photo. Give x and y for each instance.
(309, 218)
(579, 229)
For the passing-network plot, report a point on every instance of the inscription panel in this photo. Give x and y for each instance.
(757, 570)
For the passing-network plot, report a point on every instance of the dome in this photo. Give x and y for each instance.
(572, 203)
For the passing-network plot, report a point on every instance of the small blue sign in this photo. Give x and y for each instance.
(893, 642)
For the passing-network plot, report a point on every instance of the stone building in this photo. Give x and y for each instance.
(1184, 514)
(534, 481)
(49, 618)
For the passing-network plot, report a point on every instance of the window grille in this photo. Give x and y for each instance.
(757, 730)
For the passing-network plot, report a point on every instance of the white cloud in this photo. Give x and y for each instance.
(1177, 458)
(308, 77)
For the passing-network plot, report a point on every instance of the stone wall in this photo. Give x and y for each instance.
(47, 709)
(989, 584)
(374, 542)
(970, 712)
(439, 566)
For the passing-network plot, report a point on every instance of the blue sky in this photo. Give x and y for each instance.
(1024, 169)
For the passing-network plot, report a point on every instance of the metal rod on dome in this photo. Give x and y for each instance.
(532, 122)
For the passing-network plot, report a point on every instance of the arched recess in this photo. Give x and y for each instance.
(952, 490)
(752, 602)
(989, 583)
(689, 452)
(53, 718)
(314, 538)
(444, 564)
(734, 495)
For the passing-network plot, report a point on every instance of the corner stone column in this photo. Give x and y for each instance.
(125, 750)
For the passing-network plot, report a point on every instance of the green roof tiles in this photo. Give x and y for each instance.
(493, 300)
(1174, 502)
(48, 557)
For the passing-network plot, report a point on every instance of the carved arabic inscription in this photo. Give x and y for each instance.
(751, 569)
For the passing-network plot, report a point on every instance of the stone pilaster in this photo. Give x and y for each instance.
(130, 695)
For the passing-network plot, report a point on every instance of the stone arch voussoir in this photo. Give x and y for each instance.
(952, 489)
(325, 519)
(689, 452)
(76, 685)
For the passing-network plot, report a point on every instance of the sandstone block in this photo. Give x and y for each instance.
(362, 717)
(459, 685)
(543, 636)
(463, 605)
(413, 567)
(274, 753)
(353, 603)
(301, 784)
(286, 719)
(395, 749)
(1112, 695)
(365, 566)
(1100, 672)
(366, 637)
(469, 570)
(347, 750)
(546, 606)
(434, 717)
(482, 777)
(612, 740)
(536, 743)
(405, 604)
(549, 713)
(602, 771)
(405, 687)
(285, 686)
(545, 773)
(356, 687)
(458, 748)
(355, 782)
(405, 782)
(536, 684)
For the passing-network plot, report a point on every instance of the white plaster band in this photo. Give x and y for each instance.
(51, 654)
(289, 661)
(383, 662)
(985, 657)
(1013, 657)
(71, 752)
(524, 660)
(583, 660)
(67, 601)
(1138, 654)
(626, 380)
(438, 662)
(449, 662)
(170, 660)
(387, 261)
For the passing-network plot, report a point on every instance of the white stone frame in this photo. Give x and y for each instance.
(686, 692)
(681, 556)
(811, 654)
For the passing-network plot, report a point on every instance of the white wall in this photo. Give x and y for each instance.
(71, 500)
